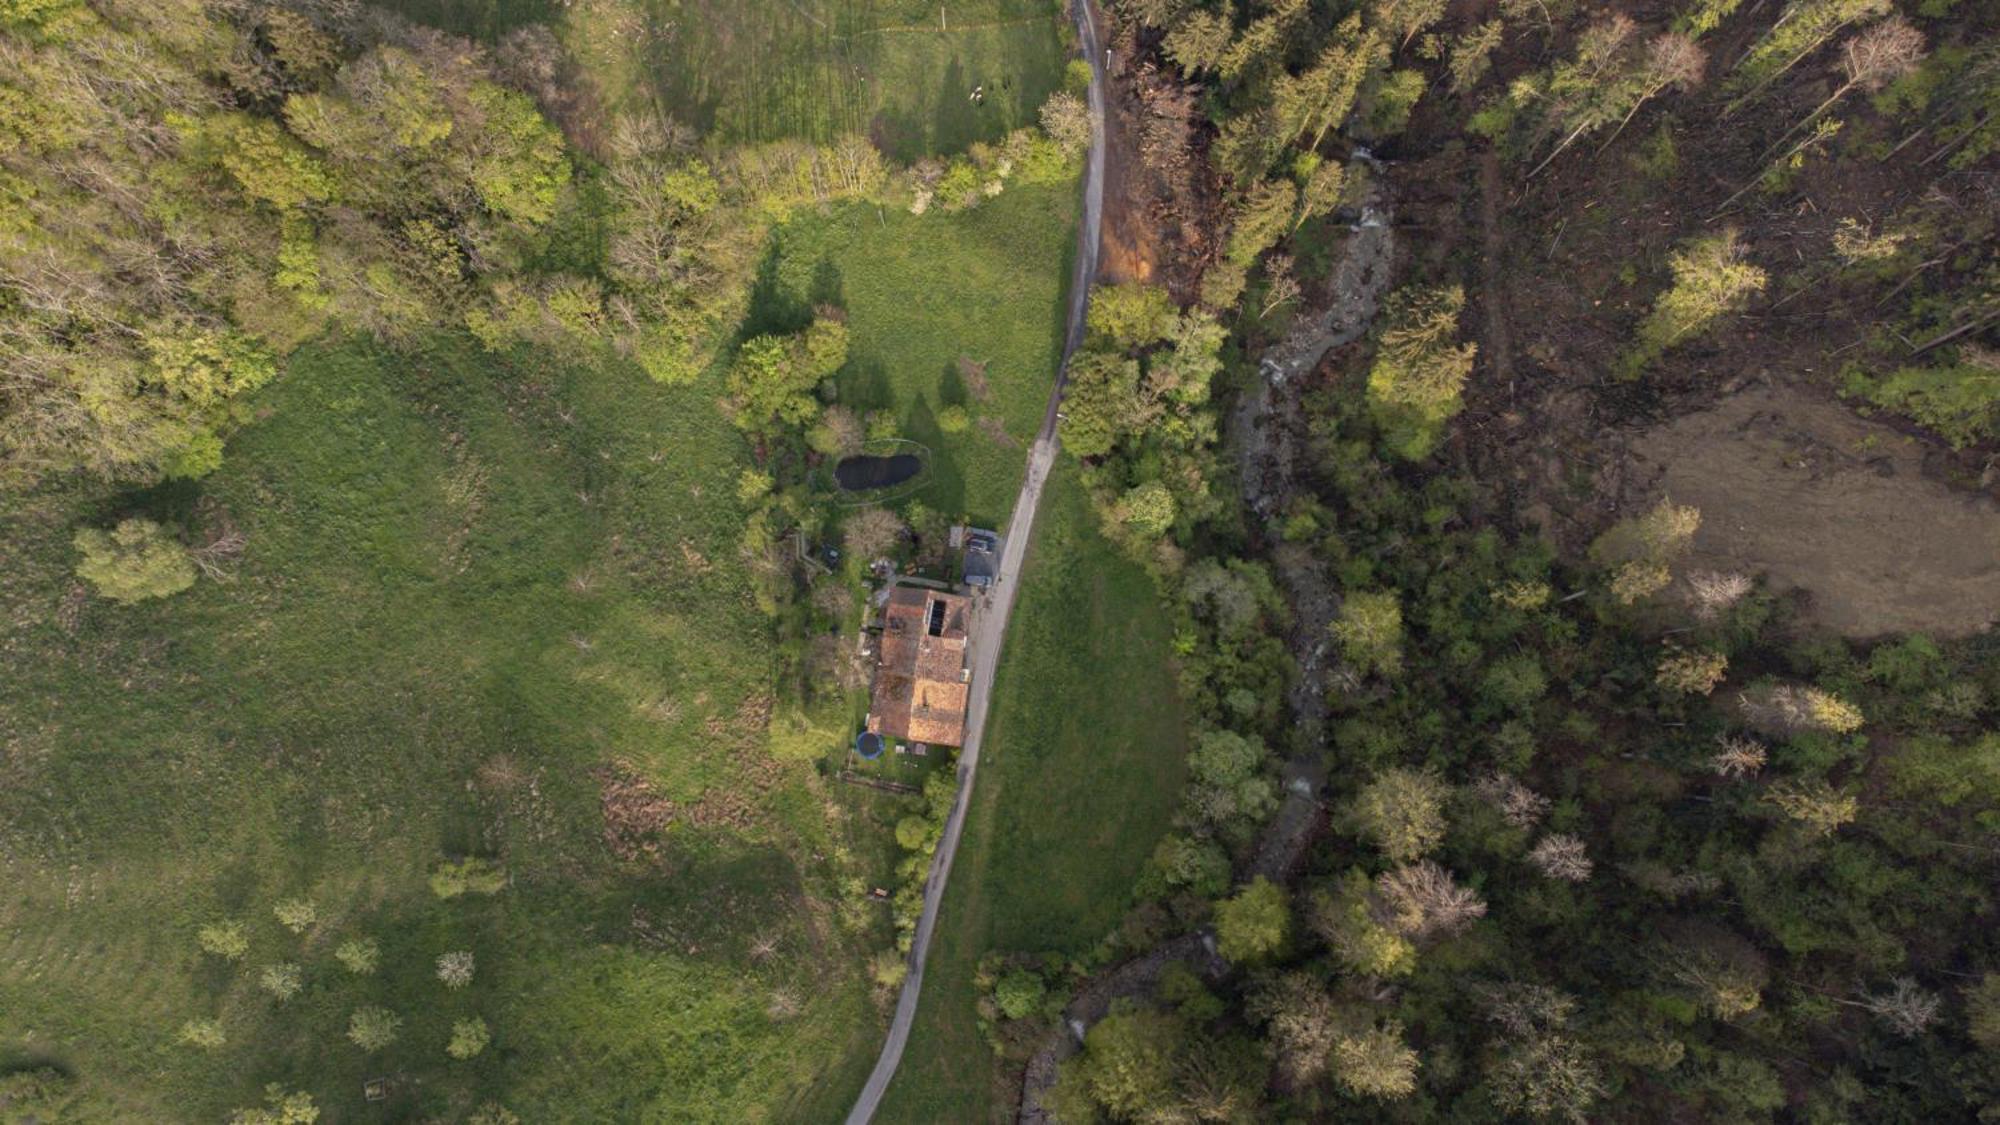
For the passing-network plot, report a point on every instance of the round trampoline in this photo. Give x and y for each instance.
(868, 744)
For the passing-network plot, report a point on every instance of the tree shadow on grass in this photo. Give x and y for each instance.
(955, 123)
(775, 309)
(826, 288)
(864, 385)
(946, 490)
(951, 387)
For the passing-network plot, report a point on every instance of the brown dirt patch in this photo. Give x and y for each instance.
(1162, 203)
(1849, 510)
(636, 815)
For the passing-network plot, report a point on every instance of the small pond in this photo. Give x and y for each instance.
(859, 474)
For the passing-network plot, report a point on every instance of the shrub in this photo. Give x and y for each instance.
(282, 980)
(134, 561)
(1019, 994)
(888, 968)
(468, 1038)
(281, 1107)
(296, 914)
(455, 968)
(954, 419)
(203, 1034)
(471, 875)
(372, 1028)
(1960, 400)
(359, 956)
(224, 939)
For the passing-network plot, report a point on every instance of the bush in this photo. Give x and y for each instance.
(296, 914)
(1019, 994)
(472, 875)
(282, 980)
(372, 1028)
(134, 561)
(359, 956)
(1961, 400)
(203, 1034)
(224, 939)
(468, 1038)
(954, 419)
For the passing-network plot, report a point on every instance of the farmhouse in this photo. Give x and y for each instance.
(921, 679)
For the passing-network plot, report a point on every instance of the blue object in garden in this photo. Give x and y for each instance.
(868, 744)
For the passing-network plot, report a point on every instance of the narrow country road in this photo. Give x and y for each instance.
(990, 625)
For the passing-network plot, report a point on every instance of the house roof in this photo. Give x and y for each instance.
(920, 687)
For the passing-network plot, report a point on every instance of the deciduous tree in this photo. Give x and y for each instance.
(136, 560)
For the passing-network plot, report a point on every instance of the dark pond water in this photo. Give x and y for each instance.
(859, 474)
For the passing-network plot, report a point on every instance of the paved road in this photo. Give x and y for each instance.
(990, 623)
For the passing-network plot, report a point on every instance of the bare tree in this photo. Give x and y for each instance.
(1561, 856)
(1869, 60)
(1422, 900)
(1738, 757)
(1519, 805)
(1523, 1008)
(1907, 1008)
(1711, 592)
(1672, 59)
(873, 532)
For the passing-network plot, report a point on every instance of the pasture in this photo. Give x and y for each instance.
(473, 594)
(903, 72)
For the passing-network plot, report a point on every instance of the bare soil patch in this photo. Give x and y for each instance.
(1851, 511)
(1162, 203)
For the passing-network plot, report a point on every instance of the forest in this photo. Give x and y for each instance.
(1618, 812)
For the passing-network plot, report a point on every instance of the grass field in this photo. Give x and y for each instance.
(468, 586)
(756, 70)
(921, 291)
(1081, 773)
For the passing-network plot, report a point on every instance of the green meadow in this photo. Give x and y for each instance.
(922, 292)
(468, 588)
(904, 72)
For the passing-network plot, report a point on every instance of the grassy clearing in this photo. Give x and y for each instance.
(920, 292)
(477, 19)
(467, 586)
(756, 70)
(1082, 771)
